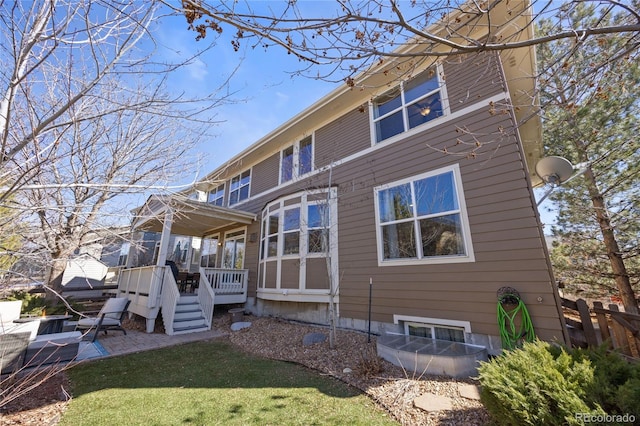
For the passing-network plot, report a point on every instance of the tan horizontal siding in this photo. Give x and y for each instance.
(290, 274)
(342, 137)
(507, 243)
(265, 175)
(472, 77)
(439, 291)
(316, 277)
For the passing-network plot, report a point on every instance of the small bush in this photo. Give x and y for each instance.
(369, 364)
(531, 386)
(616, 385)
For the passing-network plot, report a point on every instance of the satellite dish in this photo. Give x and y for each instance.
(554, 170)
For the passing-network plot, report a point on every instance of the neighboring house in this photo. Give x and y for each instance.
(422, 187)
(83, 273)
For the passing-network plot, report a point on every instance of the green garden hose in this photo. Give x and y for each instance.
(511, 334)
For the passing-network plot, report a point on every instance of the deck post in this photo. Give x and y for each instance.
(165, 236)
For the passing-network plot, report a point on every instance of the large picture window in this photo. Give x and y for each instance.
(409, 105)
(239, 189)
(423, 219)
(296, 160)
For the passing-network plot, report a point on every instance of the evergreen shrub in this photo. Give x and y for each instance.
(533, 386)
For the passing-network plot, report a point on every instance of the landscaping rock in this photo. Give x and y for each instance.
(240, 325)
(432, 402)
(469, 391)
(313, 338)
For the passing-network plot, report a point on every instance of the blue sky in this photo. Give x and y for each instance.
(266, 94)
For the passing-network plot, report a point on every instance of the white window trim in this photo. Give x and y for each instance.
(295, 172)
(224, 191)
(466, 230)
(215, 236)
(224, 241)
(444, 101)
(285, 294)
(250, 170)
(281, 232)
(434, 322)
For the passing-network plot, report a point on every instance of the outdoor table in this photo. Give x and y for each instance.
(49, 324)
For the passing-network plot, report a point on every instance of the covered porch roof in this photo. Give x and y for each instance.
(189, 217)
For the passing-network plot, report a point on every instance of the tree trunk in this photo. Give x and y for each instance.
(53, 281)
(613, 250)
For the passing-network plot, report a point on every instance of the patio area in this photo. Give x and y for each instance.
(114, 344)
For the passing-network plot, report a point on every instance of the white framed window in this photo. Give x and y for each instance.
(434, 331)
(291, 231)
(124, 253)
(233, 250)
(317, 228)
(296, 160)
(239, 188)
(409, 105)
(299, 230)
(434, 328)
(216, 196)
(209, 251)
(423, 219)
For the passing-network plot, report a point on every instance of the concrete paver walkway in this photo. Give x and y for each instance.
(116, 343)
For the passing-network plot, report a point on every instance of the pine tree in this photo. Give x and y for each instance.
(591, 108)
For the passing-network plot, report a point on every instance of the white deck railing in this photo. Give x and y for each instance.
(229, 285)
(170, 297)
(206, 298)
(151, 287)
(143, 287)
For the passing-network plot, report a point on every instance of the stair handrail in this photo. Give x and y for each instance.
(170, 297)
(206, 298)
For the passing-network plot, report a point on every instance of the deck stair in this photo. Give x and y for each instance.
(188, 317)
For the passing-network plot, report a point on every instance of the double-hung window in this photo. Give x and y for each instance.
(296, 160)
(423, 220)
(209, 252)
(216, 196)
(239, 188)
(317, 228)
(409, 105)
(291, 231)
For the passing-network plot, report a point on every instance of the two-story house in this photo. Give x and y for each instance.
(411, 199)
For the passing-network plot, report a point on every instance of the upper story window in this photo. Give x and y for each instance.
(296, 160)
(216, 196)
(239, 188)
(409, 105)
(423, 220)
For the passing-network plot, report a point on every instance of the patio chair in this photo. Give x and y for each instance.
(109, 318)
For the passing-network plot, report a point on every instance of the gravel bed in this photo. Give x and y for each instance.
(354, 360)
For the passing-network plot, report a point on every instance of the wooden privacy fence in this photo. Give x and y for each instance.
(618, 330)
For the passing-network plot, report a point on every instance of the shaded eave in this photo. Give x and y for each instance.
(189, 217)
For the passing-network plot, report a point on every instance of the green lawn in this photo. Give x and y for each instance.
(209, 383)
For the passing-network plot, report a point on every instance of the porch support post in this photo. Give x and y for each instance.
(164, 238)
